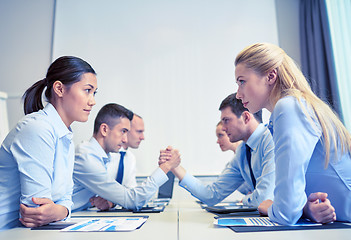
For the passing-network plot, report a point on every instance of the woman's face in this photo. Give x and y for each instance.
(253, 89)
(77, 100)
(222, 138)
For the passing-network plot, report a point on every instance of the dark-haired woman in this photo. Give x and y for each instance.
(37, 156)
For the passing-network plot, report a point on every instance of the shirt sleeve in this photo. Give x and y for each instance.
(295, 137)
(66, 199)
(90, 172)
(228, 181)
(265, 182)
(34, 150)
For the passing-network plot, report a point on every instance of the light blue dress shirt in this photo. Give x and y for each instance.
(300, 160)
(237, 172)
(36, 160)
(91, 178)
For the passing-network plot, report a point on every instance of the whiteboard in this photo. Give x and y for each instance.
(169, 61)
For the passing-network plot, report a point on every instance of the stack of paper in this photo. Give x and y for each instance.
(256, 221)
(107, 224)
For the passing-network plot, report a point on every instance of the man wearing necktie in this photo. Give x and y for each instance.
(225, 144)
(125, 158)
(95, 182)
(253, 163)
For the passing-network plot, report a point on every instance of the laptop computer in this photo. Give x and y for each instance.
(230, 208)
(166, 190)
(155, 205)
(165, 193)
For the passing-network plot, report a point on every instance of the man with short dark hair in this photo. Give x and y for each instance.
(94, 185)
(253, 162)
(128, 164)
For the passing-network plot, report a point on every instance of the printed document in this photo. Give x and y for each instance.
(108, 224)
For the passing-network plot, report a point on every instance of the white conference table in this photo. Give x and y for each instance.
(196, 223)
(158, 226)
(182, 219)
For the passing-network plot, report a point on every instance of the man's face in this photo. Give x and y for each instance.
(232, 125)
(117, 135)
(136, 133)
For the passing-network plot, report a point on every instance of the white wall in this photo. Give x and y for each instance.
(169, 61)
(185, 49)
(25, 47)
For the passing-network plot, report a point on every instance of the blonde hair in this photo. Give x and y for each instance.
(263, 58)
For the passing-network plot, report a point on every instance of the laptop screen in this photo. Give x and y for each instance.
(166, 190)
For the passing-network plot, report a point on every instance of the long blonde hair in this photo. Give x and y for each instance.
(265, 57)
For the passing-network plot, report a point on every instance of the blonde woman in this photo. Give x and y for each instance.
(312, 146)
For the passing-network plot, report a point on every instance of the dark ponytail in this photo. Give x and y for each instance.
(67, 70)
(32, 97)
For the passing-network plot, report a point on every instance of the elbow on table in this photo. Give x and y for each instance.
(285, 217)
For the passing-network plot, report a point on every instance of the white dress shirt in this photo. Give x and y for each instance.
(129, 176)
(237, 172)
(91, 178)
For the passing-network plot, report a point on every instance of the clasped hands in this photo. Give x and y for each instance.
(169, 159)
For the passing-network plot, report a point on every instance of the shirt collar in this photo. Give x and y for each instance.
(122, 149)
(253, 140)
(99, 151)
(56, 120)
